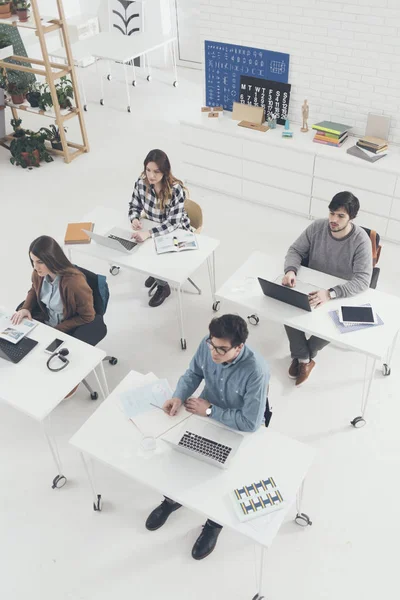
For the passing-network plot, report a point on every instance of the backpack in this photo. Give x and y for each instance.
(99, 286)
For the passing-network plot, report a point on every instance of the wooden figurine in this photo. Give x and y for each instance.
(305, 109)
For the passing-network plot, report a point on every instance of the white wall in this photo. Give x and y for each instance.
(344, 56)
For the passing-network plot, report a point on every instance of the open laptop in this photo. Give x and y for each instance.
(16, 352)
(201, 439)
(297, 296)
(117, 239)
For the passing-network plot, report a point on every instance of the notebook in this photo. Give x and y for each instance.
(331, 127)
(257, 499)
(75, 235)
(348, 328)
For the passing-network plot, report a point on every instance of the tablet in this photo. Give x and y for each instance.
(357, 314)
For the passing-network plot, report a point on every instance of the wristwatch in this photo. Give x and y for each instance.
(332, 294)
(209, 411)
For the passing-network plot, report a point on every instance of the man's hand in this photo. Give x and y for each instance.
(172, 406)
(20, 315)
(318, 298)
(197, 406)
(289, 279)
(136, 224)
(141, 236)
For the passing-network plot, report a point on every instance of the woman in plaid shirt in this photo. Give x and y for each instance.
(161, 197)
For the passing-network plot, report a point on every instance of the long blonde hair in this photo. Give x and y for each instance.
(168, 181)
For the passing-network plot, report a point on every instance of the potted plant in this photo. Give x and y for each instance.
(45, 101)
(17, 90)
(53, 135)
(22, 7)
(5, 9)
(29, 150)
(6, 47)
(65, 92)
(16, 125)
(33, 96)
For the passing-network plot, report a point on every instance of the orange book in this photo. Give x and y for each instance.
(75, 235)
(325, 138)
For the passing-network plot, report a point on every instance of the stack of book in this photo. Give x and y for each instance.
(373, 146)
(331, 134)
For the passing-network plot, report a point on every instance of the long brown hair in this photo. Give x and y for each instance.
(50, 253)
(162, 161)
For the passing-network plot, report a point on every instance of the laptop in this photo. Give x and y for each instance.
(292, 296)
(205, 441)
(116, 238)
(16, 352)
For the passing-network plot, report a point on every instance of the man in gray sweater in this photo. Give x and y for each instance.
(335, 246)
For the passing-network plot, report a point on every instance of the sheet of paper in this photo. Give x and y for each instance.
(140, 400)
(156, 422)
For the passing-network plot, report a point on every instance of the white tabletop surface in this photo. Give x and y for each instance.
(174, 267)
(111, 438)
(244, 289)
(31, 387)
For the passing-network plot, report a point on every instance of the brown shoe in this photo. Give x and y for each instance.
(294, 369)
(304, 372)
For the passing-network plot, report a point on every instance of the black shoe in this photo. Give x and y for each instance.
(159, 515)
(149, 282)
(206, 541)
(162, 292)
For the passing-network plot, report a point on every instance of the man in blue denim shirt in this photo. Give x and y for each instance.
(235, 394)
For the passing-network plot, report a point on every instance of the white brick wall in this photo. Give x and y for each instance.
(344, 56)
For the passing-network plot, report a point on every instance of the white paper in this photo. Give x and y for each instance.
(14, 333)
(177, 241)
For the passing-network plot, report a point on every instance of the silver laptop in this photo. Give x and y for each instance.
(117, 239)
(200, 438)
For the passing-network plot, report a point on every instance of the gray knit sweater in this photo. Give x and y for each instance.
(348, 258)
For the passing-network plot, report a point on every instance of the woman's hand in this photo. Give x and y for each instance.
(20, 315)
(141, 236)
(136, 224)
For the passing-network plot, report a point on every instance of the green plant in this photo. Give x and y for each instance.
(52, 132)
(22, 5)
(17, 87)
(45, 100)
(2, 2)
(32, 144)
(65, 92)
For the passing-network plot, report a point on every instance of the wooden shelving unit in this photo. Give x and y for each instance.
(51, 71)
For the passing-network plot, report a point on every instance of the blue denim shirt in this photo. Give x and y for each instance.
(236, 390)
(51, 298)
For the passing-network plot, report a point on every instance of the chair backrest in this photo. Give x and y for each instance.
(99, 286)
(195, 214)
(375, 243)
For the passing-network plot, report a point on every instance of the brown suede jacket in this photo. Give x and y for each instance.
(76, 295)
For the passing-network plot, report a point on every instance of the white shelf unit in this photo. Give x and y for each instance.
(293, 175)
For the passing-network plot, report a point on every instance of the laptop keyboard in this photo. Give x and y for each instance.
(125, 243)
(17, 352)
(206, 447)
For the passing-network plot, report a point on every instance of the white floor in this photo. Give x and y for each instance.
(53, 544)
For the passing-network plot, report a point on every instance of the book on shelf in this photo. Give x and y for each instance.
(331, 127)
(257, 499)
(372, 151)
(14, 333)
(75, 235)
(336, 144)
(328, 137)
(178, 240)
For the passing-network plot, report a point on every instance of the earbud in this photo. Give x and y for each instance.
(64, 352)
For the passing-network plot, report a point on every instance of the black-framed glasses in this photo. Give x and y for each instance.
(218, 349)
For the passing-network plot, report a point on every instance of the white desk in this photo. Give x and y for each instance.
(108, 436)
(114, 47)
(31, 388)
(174, 267)
(375, 343)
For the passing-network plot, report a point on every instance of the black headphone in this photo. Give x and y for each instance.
(61, 355)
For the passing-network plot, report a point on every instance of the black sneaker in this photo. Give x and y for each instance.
(162, 292)
(206, 541)
(159, 515)
(150, 281)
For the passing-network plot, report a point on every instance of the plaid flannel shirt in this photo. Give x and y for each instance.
(171, 217)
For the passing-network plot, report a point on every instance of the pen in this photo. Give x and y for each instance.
(160, 407)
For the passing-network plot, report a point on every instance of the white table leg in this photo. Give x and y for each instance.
(101, 82)
(59, 480)
(173, 56)
(386, 365)
(127, 88)
(148, 66)
(359, 422)
(134, 73)
(180, 316)
(301, 518)
(103, 376)
(88, 466)
(102, 390)
(211, 276)
(259, 595)
(83, 90)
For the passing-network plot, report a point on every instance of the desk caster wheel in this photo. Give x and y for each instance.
(102, 102)
(128, 109)
(58, 482)
(97, 506)
(109, 77)
(134, 83)
(175, 84)
(258, 597)
(148, 77)
(303, 520)
(358, 422)
(183, 344)
(85, 107)
(94, 396)
(216, 306)
(113, 361)
(253, 319)
(386, 370)
(114, 270)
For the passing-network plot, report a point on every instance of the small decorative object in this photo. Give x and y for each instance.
(286, 133)
(305, 109)
(271, 121)
(22, 7)
(5, 9)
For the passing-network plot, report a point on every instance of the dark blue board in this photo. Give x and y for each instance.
(225, 63)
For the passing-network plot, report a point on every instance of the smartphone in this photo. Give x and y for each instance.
(54, 346)
(357, 314)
